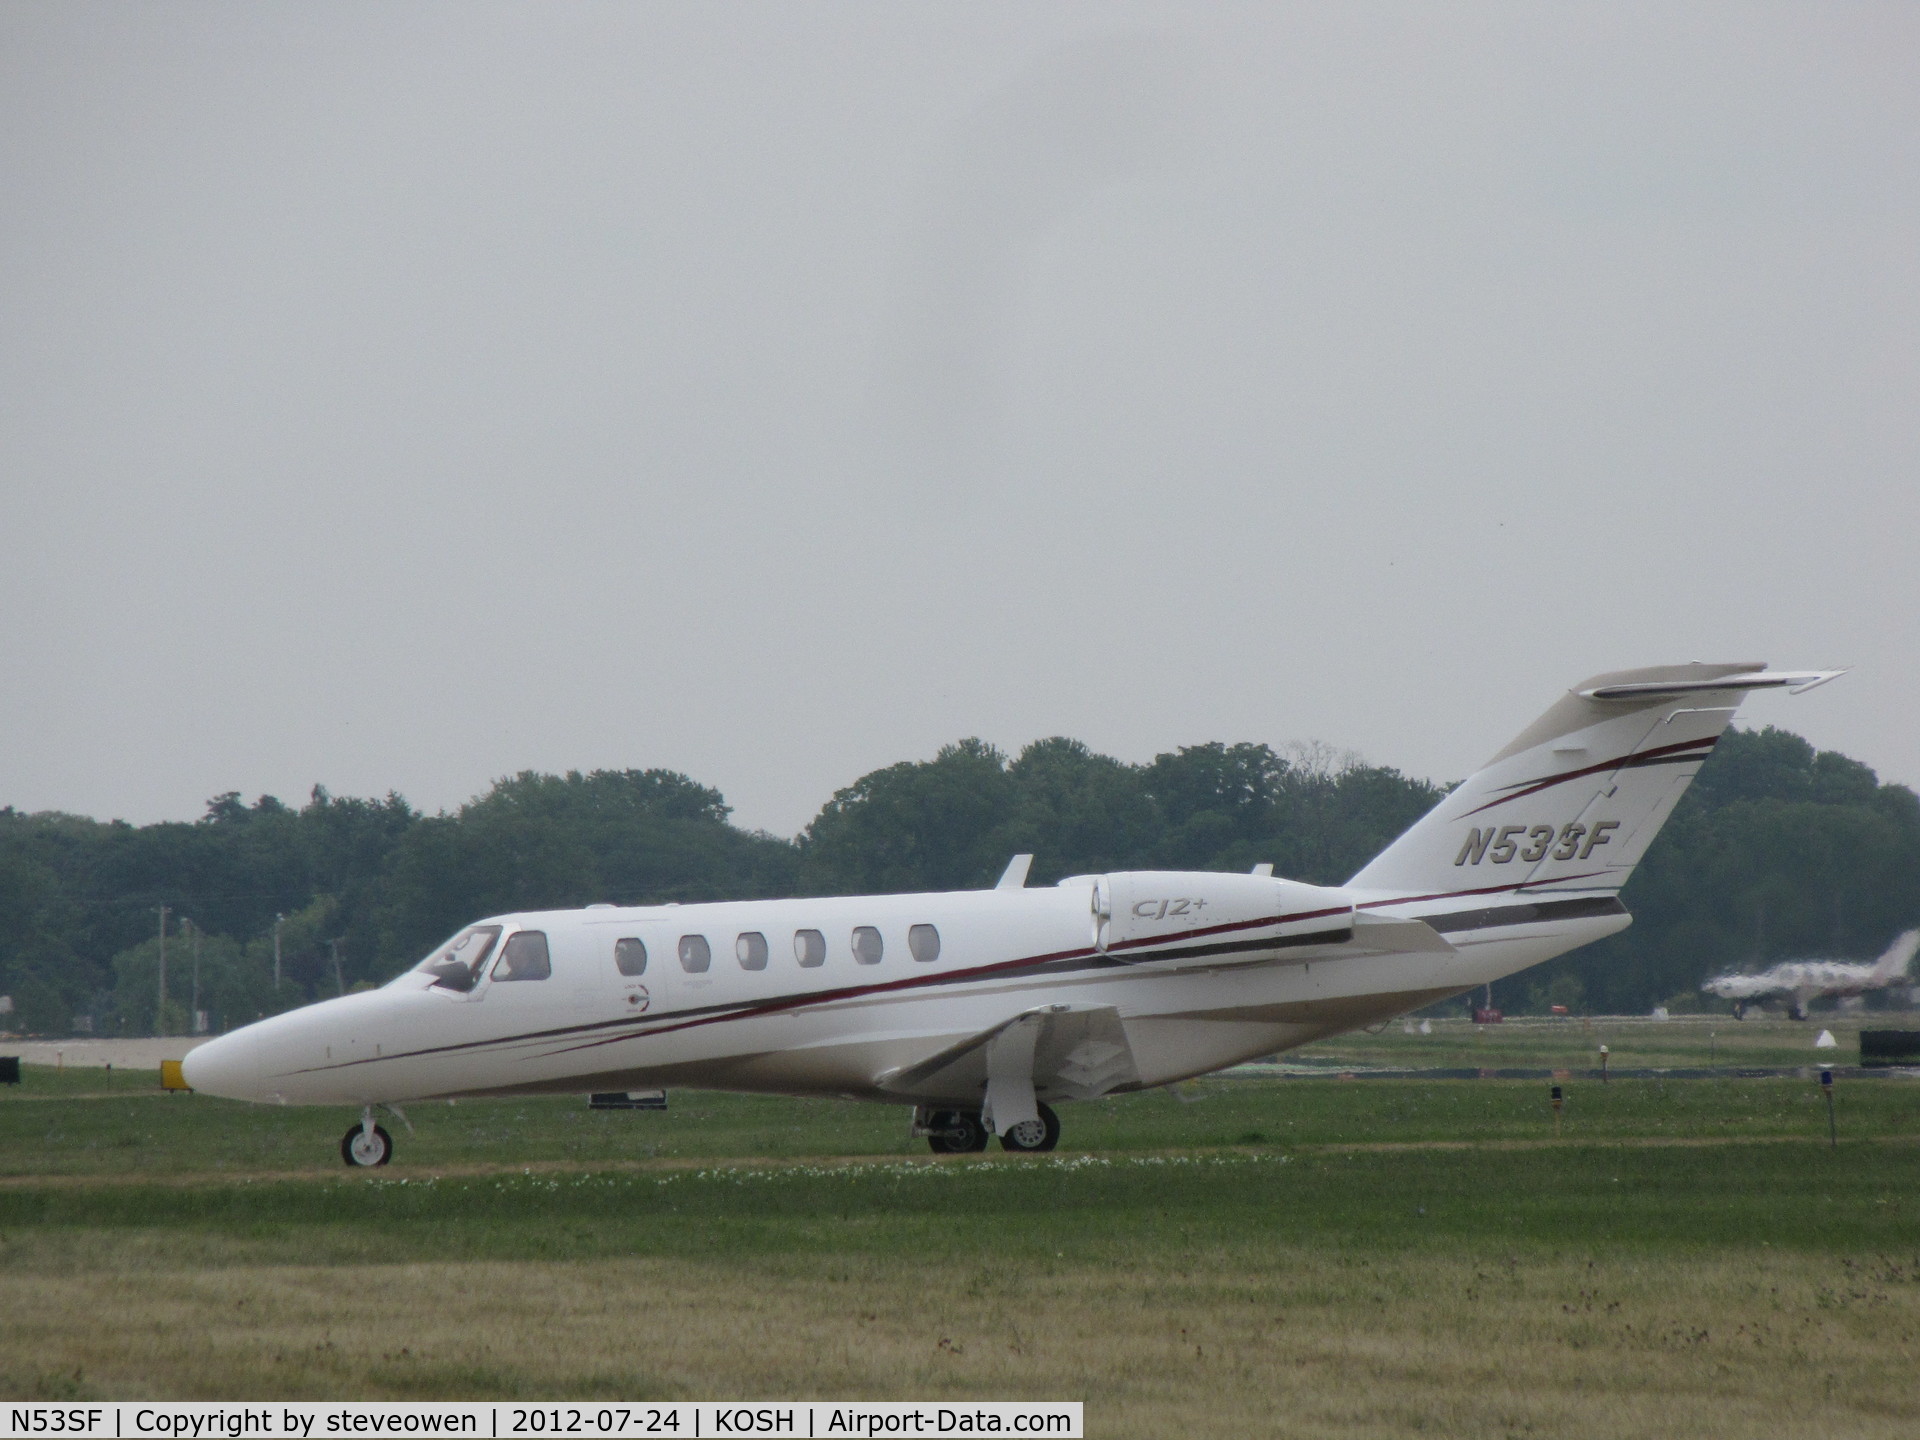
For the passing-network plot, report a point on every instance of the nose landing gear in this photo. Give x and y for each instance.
(366, 1144)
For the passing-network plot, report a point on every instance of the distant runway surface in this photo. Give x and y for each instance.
(97, 1054)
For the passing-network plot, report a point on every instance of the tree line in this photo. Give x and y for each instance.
(1778, 851)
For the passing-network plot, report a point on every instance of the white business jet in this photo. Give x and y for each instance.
(982, 1009)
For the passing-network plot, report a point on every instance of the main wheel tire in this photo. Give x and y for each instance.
(957, 1132)
(1033, 1135)
(360, 1149)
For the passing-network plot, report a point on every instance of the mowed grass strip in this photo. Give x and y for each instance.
(1792, 1195)
(139, 1130)
(1251, 1339)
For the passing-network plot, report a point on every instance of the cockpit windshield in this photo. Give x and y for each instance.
(456, 965)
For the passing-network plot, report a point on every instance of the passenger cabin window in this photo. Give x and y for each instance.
(752, 950)
(809, 948)
(867, 946)
(456, 964)
(695, 954)
(924, 942)
(630, 955)
(524, 957)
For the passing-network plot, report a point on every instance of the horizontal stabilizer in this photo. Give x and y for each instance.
(1795, 682)
(1404, 937)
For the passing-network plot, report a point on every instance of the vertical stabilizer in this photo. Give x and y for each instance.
(1899, 955)
(1578, 796)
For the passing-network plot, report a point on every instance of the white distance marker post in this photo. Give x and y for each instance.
(1833, 1129)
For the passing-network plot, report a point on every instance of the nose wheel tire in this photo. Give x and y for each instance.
(363, 1147)
(1033, 1135)
(957, 1132)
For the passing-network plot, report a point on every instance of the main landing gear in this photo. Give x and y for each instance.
(956, 1132)
(963, 1132)
(1041, 1134)
(366, 1144)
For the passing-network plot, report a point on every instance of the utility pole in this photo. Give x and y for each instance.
(339, 984)
(160, 1009)
(278, 921)
(193, 1019)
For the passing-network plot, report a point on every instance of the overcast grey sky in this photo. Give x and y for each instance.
(399, 396)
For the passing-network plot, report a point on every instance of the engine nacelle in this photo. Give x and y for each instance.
(1220, 917)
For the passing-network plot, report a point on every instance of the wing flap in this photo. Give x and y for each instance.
(1078, 1053)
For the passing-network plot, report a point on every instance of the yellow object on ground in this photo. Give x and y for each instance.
(171, 1077)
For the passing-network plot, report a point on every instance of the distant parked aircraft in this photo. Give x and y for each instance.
(978, 1008)
(1799, 982)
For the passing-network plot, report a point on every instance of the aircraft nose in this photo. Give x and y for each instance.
(228, 1067)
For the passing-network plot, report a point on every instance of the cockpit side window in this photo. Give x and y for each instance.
(456, 964)
(524, 957)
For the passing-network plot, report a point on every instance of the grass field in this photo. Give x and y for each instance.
(1265, 1257)
(1684, 1042)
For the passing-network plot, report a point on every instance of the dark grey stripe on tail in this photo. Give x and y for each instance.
(1530, 913)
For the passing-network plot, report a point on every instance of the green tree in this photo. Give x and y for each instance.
(925, 825)
(1075, 812)
(542, 842)
(1220, 805)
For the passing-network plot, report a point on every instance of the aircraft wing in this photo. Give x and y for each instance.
(1080, 1052)
(1071, 1052)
